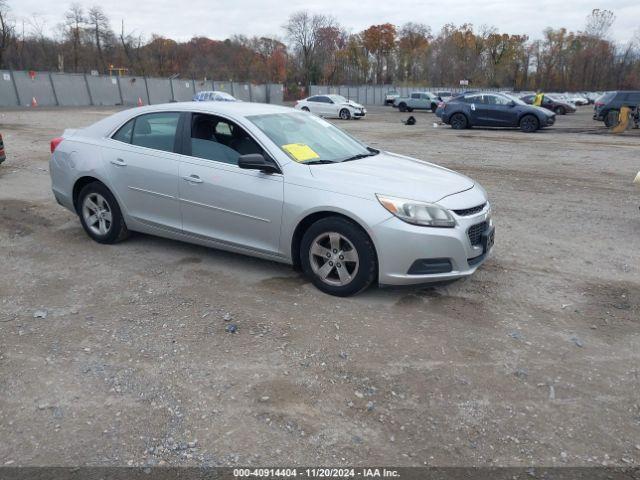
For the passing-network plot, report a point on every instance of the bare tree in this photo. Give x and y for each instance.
(99, 26)
(303, 31)
(74, 25)
(599, 23)
(6, 30)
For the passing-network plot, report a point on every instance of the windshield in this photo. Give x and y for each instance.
(225, 96)
(514, 98)
(338, 99)
(306, 138)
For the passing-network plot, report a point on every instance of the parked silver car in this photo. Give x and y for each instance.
(275, 183)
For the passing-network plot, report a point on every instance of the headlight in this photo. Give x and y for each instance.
(417, 213)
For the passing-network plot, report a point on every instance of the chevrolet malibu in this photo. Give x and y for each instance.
(275, 183)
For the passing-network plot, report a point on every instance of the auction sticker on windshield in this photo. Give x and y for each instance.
(300, 152)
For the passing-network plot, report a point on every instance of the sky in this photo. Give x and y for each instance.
(219, 19)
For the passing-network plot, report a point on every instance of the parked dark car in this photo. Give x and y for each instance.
(551, 103)
(607, 107)
(494, 110)
(2, 155)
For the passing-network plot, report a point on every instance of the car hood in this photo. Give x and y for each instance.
(391, 174)
(353, 104)
(546, 111)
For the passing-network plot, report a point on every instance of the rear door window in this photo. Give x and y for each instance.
(156, 131)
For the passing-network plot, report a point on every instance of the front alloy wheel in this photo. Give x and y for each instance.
(334, 259)
(338, 256)
(345, 114)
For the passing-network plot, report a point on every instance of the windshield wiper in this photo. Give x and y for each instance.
(358, 156)
(317, 162)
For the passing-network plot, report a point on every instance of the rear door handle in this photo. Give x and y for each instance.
(193, 179)
(119, 162)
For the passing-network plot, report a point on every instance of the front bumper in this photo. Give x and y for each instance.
(360, 113)
(404, 249)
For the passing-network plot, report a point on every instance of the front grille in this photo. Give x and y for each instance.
(470, 211)
(475, 233)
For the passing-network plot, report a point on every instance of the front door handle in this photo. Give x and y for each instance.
(193, 179)
(119, 162)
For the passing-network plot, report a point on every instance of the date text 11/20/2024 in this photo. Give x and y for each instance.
(316, 472)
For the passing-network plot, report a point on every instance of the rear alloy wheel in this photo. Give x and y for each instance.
(560, 110)
(458, 121)
(338, 257)
(100, 214)
(345, 114)
(529, 124)
(402, 107)
(434, 107)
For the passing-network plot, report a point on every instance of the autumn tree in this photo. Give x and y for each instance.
(379, 41)
(413, 49)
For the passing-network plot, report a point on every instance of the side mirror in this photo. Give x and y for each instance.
(512, 103)
(256, 161)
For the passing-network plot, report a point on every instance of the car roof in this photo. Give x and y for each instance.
(233, 110)
(212, 91)
(237, 109)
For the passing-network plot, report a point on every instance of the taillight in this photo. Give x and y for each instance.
(599, 104)
(55, 142)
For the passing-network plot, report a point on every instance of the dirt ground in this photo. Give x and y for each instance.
(118, 355)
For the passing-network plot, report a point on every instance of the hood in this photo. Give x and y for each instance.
(351, 103)
(546, 111)
(391, 174)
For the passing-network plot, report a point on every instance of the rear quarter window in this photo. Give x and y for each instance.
(124, 133)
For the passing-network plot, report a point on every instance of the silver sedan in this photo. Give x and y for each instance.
(275, 183)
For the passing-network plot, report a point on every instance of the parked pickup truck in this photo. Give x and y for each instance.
(417, 101)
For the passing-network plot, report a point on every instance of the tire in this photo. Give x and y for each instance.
(529, 124)
(109, 227)
(409, 109)
(611, 119)
(305, 109)
(434, 107)
(345, 114)
(458, 121)
(350, 241)
(402, 107)
(560, 110)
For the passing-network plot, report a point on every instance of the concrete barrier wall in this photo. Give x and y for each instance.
(18, 88)
(242, 91)
(258, 93)
(275, 93)
(8, 96)
(104, 90)
(223, 87)
(133, 89)
(183, 89)
(159, 90)
(71, 90)
(39, 88)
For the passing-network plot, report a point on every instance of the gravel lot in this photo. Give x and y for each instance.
(118, 355)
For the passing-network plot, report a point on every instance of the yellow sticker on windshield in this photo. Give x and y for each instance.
(300, 152)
